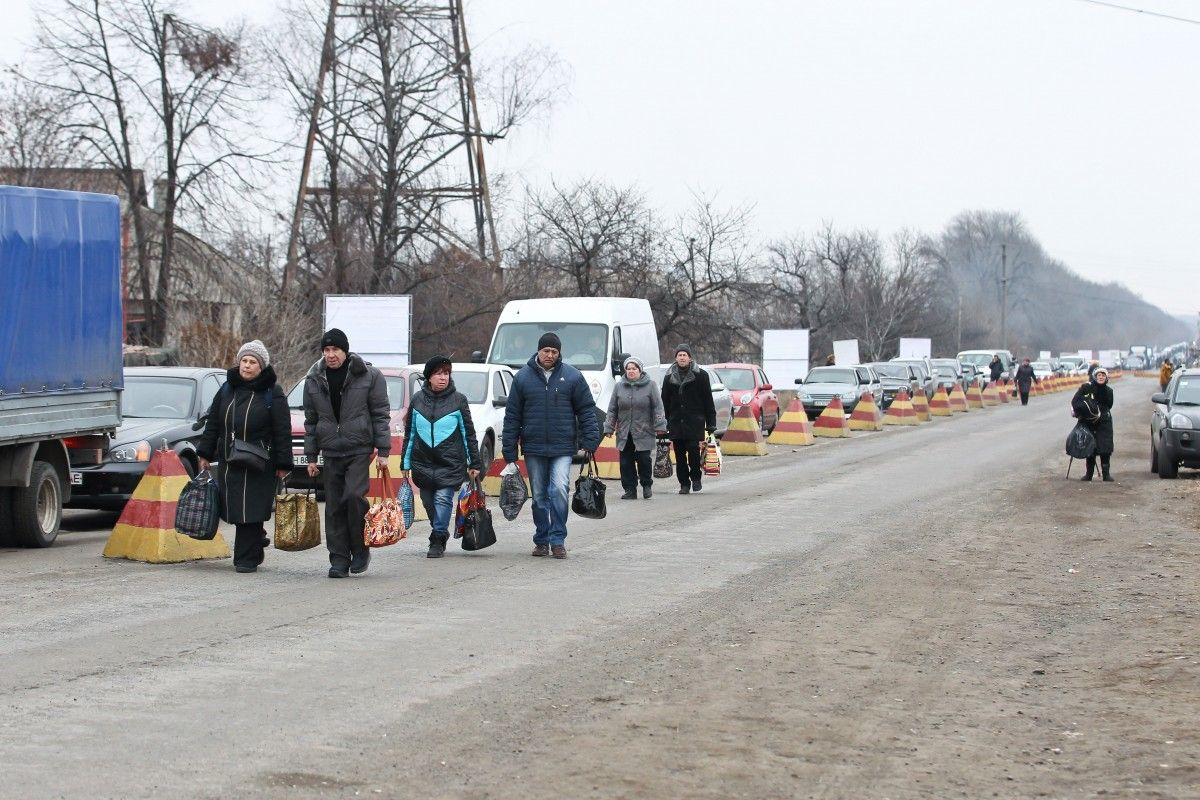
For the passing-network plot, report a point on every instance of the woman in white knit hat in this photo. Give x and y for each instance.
(250, 409)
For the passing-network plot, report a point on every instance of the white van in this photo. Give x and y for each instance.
(596, 333)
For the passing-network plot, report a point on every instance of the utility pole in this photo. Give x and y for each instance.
(959, 323)
(1004, 296)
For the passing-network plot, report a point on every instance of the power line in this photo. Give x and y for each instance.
(1142, 11)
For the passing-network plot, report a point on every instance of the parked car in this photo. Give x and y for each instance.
(974, 374)
(749, 386)
(924, 370)
(982, 359)
(822, 384)
(947, 368)
(159, 408)
(722, 397)
(894, 376)
(486, 387)
(1175, 425)
(1042, 370)
(401, 383)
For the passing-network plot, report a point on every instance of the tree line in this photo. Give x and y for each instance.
(215, 117)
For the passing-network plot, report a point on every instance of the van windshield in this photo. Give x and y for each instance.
(584, 345)
(976, 359)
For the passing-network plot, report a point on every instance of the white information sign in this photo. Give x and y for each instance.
(379, 326)
(845, 352)
(785, 356)
(916, 348)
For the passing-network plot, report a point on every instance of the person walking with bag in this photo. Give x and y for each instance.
(248, 431)
(636, 415)
(550, 414)
(1165, 373)
(691, 416)
(1025, 379)
(1092, 404)
(439, 448)
(346, 421)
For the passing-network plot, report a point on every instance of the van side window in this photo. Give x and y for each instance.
(617, 347)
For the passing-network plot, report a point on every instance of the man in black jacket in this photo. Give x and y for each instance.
(691, 415)
(1025, 379)
(346, 420)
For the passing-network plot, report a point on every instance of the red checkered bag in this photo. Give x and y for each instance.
(712, 458)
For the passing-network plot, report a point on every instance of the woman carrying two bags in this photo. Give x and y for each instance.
(248, 430)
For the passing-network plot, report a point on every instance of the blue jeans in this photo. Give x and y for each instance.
(439, 505)
(550, 480)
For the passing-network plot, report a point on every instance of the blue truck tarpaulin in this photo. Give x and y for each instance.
(60, 291)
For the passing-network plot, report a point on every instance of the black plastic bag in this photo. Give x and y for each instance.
(478, 532)
(1081, 443)
(662, 459)
(513, 494)
(588, 500)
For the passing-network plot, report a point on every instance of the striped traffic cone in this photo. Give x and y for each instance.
(793, 427)
(958, 400)
(901, 411)
(832, 421)
(866, 416)
(744, 436)
(939, 406)
(920, 405)
(974, 396)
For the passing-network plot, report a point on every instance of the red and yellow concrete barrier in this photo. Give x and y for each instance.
(939, 406)
(793, 427)
(901, 411)
(832, 421)
(744, 436)
(866, 416)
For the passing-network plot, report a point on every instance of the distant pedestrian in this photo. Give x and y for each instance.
(1025, 379)
(635, 414)
(550, 414)
(347, 422)
(996, 368)
(1165, 373)
(829, 360)
(439, 448)
(1092, 404)
(251, 407)
(691, 416)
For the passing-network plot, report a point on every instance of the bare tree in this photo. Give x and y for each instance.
(32, 137)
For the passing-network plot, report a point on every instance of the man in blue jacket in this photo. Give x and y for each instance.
(548, 402)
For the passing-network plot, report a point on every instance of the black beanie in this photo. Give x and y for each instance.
(550, 340)
(434, 364)
(684, 348)
(335, 337)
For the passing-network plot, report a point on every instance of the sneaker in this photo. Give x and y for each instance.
(540, 550)
(646, 493)
(685, 489)
(359, 566)
(695, 486)
(436, 550)
(630, 495)
(558, 551)
(334, 572)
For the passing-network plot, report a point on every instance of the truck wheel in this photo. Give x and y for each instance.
(37, 509)
(7, 539)
(1167, 467)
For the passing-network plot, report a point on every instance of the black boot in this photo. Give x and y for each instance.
(647, 493)
(437, 547)
(1091, 469)
(1104, 469)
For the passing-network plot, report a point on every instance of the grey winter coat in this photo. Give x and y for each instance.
(366, 414)
(636, 407)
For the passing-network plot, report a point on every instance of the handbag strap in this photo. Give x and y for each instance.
(385, 476)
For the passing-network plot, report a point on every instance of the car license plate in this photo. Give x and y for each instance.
(302, 461)
(77, 479)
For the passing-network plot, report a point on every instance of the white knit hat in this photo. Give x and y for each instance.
(256, 349)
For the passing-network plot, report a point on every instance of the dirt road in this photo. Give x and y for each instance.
(922, 613)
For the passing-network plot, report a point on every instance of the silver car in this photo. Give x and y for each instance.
(849, 384)
(722, 397)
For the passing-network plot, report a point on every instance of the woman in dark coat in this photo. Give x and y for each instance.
(252, 407)
(1092, 404)
(688, 402)
(996, 368)
(1025, 379)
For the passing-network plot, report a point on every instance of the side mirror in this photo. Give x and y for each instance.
(766, 387)
(618, 363)
(1159, 398)
(799, 380)
(476, 356)
(500, 402)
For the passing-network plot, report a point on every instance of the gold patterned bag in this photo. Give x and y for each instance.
(384, 523)
(297, 522)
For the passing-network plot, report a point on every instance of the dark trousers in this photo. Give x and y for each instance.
(688, 460)
(636, 467)
(248, 544)
(346, 485)
(1025, 396)
(1091, 464)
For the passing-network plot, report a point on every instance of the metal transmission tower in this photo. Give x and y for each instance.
(433, 103)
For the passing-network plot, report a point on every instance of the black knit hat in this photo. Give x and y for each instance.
(335, 337)
(550, 340)
(684, 348)
(434, 364)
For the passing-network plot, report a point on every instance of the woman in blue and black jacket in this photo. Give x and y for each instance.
(439, 448)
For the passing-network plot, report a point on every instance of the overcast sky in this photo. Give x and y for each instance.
(881, 114)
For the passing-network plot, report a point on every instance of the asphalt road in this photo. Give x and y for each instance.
(500, 675)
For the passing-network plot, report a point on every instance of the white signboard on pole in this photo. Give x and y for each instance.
(916, 348)
(845, 352)
(785, 356)
(379, 326)
(1044, 355)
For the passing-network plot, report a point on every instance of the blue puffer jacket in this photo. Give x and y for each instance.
(439, 444)
(542, 415)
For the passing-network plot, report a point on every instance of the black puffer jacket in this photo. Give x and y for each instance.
(688, 403)
(240, 411)
(439, 444)
(1092, 405)
(365, 419)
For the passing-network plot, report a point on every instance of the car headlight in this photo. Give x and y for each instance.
(849, 396)
(745, 398)
(805, 397)
(138, 451)
(1180, 421)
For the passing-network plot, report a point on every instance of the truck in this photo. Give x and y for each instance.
(61, 332)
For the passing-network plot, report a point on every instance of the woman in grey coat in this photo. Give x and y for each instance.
(635, 414)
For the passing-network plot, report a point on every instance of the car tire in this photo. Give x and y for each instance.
(37, 508)
(1153, 458)
(1167, 467)
(7, 539)
(487, 454)
(190, 465)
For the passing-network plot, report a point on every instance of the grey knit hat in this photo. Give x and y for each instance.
(634, 360)
(256, 349)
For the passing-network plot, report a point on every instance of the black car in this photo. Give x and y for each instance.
(1175, 425)
(159, 406)
(894, 376)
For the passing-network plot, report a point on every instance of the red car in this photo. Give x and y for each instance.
(402, 382)
(748, 385)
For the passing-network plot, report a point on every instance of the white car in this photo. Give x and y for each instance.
(486, 387)
(1042, 370)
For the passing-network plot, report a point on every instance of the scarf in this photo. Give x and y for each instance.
(682, 376)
